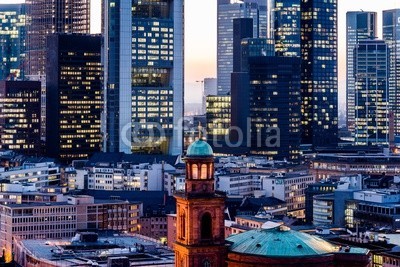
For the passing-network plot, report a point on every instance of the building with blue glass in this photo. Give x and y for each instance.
(308, 29)
(143, 64)
(371, 75)
(391, 35)
(360, 25)
(12, 41)
(227, 11)
(319, 81)
(285, 22)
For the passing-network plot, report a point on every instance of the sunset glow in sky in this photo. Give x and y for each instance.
(201, 38)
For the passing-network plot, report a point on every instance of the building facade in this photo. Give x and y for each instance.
(45, 17)
(143, 78)
(391, 35)
(285, 27)
(227, 11)
(319, 72)
(290, 188)
(360, 25)
(20, 116)
(74, 96)
(12, 41)
(371, 74)
(218, 117)
(63, 219)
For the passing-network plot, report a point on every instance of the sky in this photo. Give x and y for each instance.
(201, 38)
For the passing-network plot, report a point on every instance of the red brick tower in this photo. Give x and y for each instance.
(200, 213)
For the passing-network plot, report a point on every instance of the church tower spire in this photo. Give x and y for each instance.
(200, 240)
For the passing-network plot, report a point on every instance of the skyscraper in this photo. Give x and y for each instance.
(74, 96)
(20, 116)
(371, 74)
(319, 72)
(12, 41)
(144, 71)
(391, 35)
(210, 88)
(360, 25)
(285, 21)
(44, 17)
(227, 11)
(308, 28)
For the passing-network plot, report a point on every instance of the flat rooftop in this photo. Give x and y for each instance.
(63, 252)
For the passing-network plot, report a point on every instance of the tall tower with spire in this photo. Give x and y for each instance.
(200, 212)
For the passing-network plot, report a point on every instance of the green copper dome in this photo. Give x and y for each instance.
(199, 148)
(277, 242)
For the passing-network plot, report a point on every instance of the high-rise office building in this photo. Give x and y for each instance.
(371, 74)
(74, 96)
(391, 35)
(143, 41)
(44, 17)
(227, 11)
(319, 82)
(285, 22)
(20, 116)
(218, 118)
(317, 46)
(360, 25)
(209, 88)
(12, 41)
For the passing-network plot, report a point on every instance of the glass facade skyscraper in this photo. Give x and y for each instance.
(319, 84)
(391, 35)
(371, 74)
(226, 12)
(308, 29)
(143, 41)
(20, 116)
(285, 27)
(74, 96)
(360, 25)
(44, 17)
(12, 41)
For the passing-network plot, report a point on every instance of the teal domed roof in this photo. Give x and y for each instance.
(279, 242)
(199, 148)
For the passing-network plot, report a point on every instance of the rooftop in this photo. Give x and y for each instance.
(283, 242)
(199, 148)
(66, 253)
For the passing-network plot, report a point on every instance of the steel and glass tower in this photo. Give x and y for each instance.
(143, 76)
(360, 26)
(391, 35)
(371, 75)
(285, 21)
(308, 29)
(319, 83)
(44, 17)
(12, 41)
(227, 12)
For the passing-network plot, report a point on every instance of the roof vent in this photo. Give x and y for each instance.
(277, 239)
(258, 245)
(299, 246)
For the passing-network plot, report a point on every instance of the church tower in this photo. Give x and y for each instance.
(200, 213)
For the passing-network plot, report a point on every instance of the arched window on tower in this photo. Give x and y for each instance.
(206, 226)
(203, 171)
(210, 170)
(183, 225)
(195, 171)
(206, 263)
